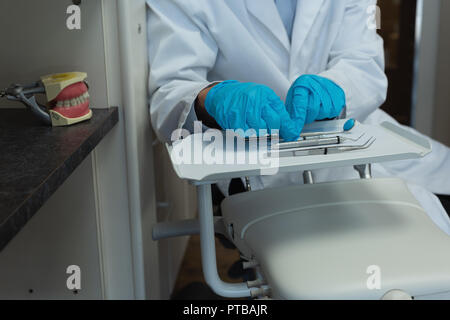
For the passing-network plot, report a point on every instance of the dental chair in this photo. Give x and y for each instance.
(353, 239)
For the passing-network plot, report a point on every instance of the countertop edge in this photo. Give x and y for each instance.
(48, 187)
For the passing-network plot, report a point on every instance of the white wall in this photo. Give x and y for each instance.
(139, 141)
(41, 44)
(432, 110)
(441, 129)
(178, 201)
(427, 51)
(151, 171)
(118, 179)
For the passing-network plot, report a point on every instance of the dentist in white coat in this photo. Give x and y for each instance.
(195, 43)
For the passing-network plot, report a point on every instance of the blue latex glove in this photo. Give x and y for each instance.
(313, 98)
(235, 105)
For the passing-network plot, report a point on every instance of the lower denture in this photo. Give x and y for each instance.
(63, 102)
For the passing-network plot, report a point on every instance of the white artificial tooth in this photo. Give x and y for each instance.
(59, 103)
(86, 95)
(73, 102)
(66, 103)
(82, 99)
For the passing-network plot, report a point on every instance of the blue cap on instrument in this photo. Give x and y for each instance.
(349, 125)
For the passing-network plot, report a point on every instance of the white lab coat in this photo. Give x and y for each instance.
(193, 43)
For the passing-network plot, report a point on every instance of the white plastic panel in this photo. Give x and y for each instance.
(39, 43)
(312, 246)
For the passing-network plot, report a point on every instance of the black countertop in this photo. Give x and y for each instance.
(35, 160)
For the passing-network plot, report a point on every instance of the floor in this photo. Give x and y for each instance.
(445, 200)
(191, 284)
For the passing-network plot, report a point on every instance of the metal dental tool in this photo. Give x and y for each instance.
(314, 141)
(25, 94)
(321, 150)
(317, 129)
(328, 127)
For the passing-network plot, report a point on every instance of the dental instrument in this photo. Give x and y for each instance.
(328, 127)
(321, 129)
(314, 141)
(330, 148)
(324, 138)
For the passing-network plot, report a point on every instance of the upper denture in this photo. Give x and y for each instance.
(73, 91)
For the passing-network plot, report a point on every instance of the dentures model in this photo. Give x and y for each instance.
(68, 98)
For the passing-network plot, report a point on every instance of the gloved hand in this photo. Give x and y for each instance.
(313, 98)
(235, 105)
